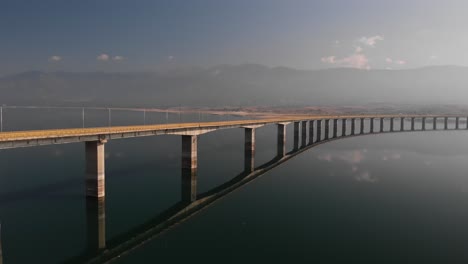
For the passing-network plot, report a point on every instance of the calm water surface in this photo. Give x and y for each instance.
(394, 198)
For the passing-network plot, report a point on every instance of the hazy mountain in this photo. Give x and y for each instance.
(247, 84)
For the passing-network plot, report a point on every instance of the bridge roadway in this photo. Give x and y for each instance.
(16, 139)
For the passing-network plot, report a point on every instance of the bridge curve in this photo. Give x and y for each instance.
(191, 203)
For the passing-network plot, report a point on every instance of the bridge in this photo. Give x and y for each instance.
(309, 131)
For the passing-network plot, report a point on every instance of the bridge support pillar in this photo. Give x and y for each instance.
(457, 119)
(412, 124)
(189, 168)
(311, 131)
(319, 130)
(296, 135)
(371, 129)
(392, 124)
(402, 124)
(445, 123)
(335, 128)
(343, 127)
(381, 124)
(304, 133)
(281, 141)
(327, 128)
(362, 126)
(353, 125)
(95, 169)
(423, 123)
(434, 123)
(96, 224)
(249, 150)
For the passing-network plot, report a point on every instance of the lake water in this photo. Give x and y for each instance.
(390, 198)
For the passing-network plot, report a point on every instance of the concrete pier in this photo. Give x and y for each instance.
(457, 119)
(319, 130)
(327, 128)
(392, 124)
(353, 125)
(434, 123)
(402, 124)
(423, 126)
(304, 133)
(445, 123)
(343, 127)
(96, 224)
(381, 124)
(335, 128)
(362, 126)
(249, 150)
(95, 169)
(371, 130)
(296, 134)
(412, 124)
(281, 140)
(189, 168)
(311, 131)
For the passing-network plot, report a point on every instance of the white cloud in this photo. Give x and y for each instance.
(118, 58)
(400, 62)
(357, 60)
(395, 61)
(433, 57)
(371, 41)
(102, 57)
(358, 49)
(55, 58)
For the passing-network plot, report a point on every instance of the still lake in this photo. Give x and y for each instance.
(390, 198)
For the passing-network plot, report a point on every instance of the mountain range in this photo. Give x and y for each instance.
(237, 85)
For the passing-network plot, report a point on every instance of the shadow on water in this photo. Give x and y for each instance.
(102, 251)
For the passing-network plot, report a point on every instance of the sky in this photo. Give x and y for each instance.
(122, 35)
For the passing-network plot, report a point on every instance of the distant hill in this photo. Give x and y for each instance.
(238, 85)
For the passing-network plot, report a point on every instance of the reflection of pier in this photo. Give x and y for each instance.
(190, 203)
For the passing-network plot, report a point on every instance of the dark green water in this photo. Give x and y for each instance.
(393, 198)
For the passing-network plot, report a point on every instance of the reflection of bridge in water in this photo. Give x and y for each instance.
(307, 134)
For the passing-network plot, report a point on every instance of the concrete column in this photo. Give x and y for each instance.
(391, 124)
(434, 123)
(281, 142)
(96, 224)
(327, 128)
(457, 119)
(353, 125)
(362, 126)
(371, 130)
(249, 150)
(319, 130)
(402, 124)
(423, 123)
(381, 124)
(412, 124)
(343, 127)
(445, 123)
(296, 135)
(311, 131)
(304, 133)
(189, 168)
(335, 128)
(95, 169)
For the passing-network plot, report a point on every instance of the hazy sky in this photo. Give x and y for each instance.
(124, 35)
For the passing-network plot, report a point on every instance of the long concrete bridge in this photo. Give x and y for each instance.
(309, 131)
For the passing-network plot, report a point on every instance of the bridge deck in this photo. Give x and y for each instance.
(16, 139)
